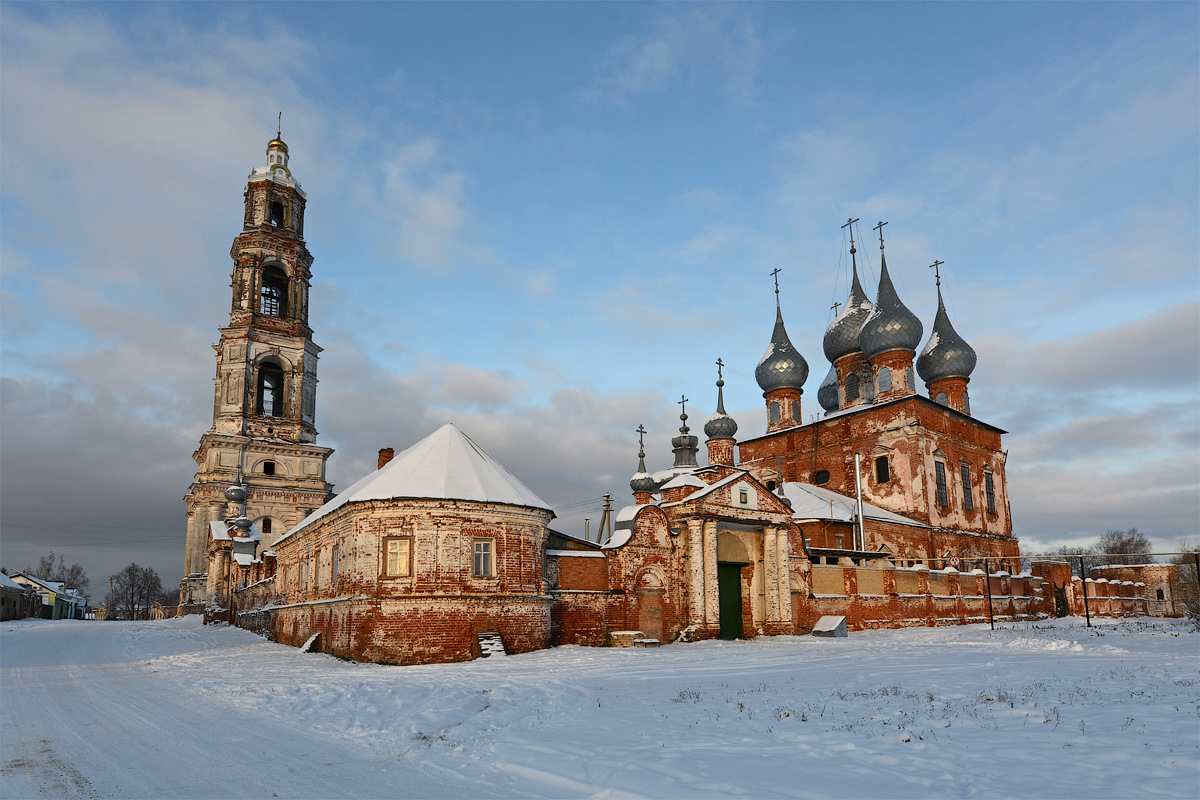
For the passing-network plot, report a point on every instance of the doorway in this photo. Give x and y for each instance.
(729, 595)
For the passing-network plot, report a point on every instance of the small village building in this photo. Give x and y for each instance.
(18, 601)
(58, 601)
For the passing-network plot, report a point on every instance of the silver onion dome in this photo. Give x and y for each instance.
(641, 482)
(890, 326)
(946, 354)
(720, 425)
(827, 394)
(841, 337)
(241, 523)
(782, 366)
(237, 493)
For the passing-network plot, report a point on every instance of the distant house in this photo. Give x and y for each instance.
(17, 601)
(58, 601)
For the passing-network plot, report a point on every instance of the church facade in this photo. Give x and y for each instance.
(889, 509)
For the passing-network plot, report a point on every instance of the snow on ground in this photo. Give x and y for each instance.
(176, 709)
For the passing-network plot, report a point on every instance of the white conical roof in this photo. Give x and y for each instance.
(446, 465)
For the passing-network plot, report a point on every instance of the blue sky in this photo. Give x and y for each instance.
(545, 222)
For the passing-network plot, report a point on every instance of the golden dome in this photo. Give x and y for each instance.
(277, 144)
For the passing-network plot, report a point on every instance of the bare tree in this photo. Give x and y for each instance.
(1186, 590)
(1130, 547)
(53, 567)
(134, 590)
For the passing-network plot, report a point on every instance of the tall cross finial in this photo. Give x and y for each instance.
(934, 266)
(683, 404)
(641, 432)
(279, 126)
(836, 305)
(720, 364)
(775, 275)
(879, 228)
(850, 224)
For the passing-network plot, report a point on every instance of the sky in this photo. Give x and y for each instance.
(546, 222)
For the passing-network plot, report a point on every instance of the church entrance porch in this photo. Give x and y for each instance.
(729, 594)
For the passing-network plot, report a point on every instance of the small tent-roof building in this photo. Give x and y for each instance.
(417, 561)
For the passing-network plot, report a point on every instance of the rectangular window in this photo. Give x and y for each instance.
(991, 492)
(968, 502)
(743, 497)
(883, 473)
(943, 498)
(333, 569)
(398, 562)
(317, 568)
(481, 566)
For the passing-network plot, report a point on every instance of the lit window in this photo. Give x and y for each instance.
(943, 498)
(851, 388)
(481, 566)
(990, 489)
(968, 502)
(883, 473)
(885, 379)
(399, 561)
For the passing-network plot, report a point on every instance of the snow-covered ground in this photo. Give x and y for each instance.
(174, 709)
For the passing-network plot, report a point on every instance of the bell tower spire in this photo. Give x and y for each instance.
(264, 405)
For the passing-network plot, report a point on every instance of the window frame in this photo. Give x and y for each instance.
(989, 488)
(883, 470)
(943, 485)
(852, 388)
(884, 376)
(968, 500)
(270, 370)
(483, 546)
(386, 554)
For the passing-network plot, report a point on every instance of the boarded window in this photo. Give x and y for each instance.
(885, 379)
(968, 501)
(990, 489)
(883, 473)
(398, 562)
(943, 498)
(481, 562)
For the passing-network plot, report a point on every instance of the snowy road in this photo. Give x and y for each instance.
(173, 709)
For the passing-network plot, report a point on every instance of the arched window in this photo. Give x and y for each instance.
(966, 403)
(943, 495)
(276, 214)
(274, 292)
(885, 379)
(851, 387)
(943, 399)
(912, 380)
(796, 410)
(774, 410)
(270, 390)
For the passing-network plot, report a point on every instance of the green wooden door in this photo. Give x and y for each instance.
(729, 591)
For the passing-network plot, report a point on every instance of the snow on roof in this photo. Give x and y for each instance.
(446, 465)
(686, 479)
(243, 559)
(812, 502)
(9, 583)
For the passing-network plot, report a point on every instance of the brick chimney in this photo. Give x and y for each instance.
(385, 455)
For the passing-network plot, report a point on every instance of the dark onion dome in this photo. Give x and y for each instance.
(890, 326)
(242, 524)
(841, 337)
(720, 425)
(946, 354)
(782, 366)
(641, 482)
(827, 395)
(237, 493)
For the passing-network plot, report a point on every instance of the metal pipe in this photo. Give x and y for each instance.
(861, 544)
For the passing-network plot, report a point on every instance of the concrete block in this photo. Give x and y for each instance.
(833, 627)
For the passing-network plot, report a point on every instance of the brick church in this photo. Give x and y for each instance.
(886, 509)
